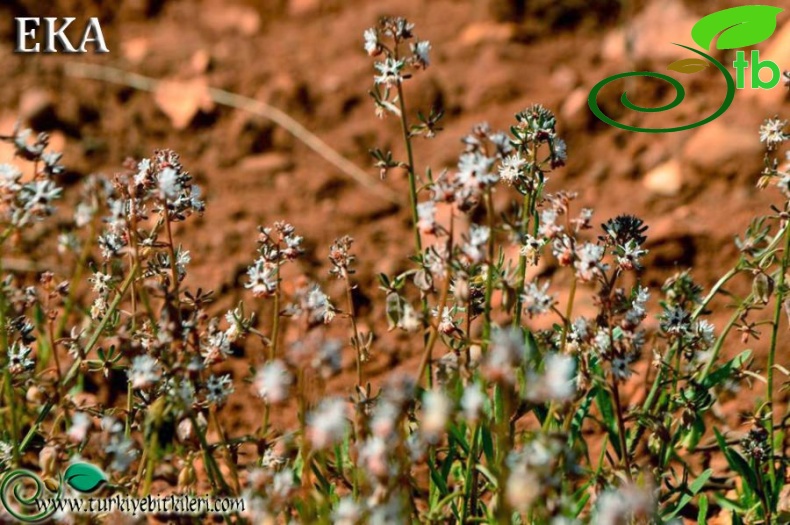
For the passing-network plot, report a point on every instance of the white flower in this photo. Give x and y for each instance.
(506, 353)
(389, 71)
(511, 167)
(327, 424)
(272, 382)
(347, 512)
(548, 224)
(217, 348)
(421, 52)
(589, 261)
(627, 504)
(122, 451)
(536, 300)
(631, 255)
(474, 249)
(144, 372)
(474, 170)
(522, 489)
(772, 132)
(6, 453)
(218, 388)
(560, 150)
(374, 458)
(80, 424)
(531, 249)
(410, 319)
(557, 381)
(371, 42)
(9, 178)
(620, 368)
(472, 402)
(19, 360)
(436, 407)
(263, 278)
(100, 282)
(319, 306)
(169, 184)
(637, 312)
(426, 217)
(384, 419)
(143, 169)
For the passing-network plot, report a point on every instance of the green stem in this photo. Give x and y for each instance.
(470, 478)
(780, 295)
(527, 212)
(412, 177)
(75, 367)
(490, 272)
(275, 316)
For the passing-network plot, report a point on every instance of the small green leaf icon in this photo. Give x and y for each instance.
(84, 477)
(688, 65)
(741, 26)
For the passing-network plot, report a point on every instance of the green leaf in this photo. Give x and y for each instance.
(688, 65)
(741, 26)
(702, 515)
(487, 443)
(693, 489)
(739, 465)
(84, 477)
(580, 415)
(725, 371)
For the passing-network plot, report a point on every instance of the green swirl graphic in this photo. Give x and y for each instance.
(680, 94)
(14, 481)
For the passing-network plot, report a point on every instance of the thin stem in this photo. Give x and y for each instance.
(172, 250)
(412, 177)
(470, 479)
(490, 271)
(780, 294)
(625, 456)
(355, 332)
(75, 367)
(425, 362)
(568, 313)
(528, 210)
(275, 315)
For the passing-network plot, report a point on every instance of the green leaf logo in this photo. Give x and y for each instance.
(84, 477)
(739, 26)
(688, 65)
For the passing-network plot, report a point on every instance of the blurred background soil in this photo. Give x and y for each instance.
(491, 59)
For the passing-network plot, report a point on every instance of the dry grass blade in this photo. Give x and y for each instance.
(226, 98)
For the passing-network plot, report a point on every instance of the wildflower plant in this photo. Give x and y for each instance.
(521, 410)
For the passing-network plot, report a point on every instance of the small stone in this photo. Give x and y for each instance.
(266, 163)
(181, 101)
(487, 32)
(665, 179)
(574, 109)
(135, 49)
(303, 7)
(232, 18)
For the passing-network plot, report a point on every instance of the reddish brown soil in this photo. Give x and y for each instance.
(305, 57)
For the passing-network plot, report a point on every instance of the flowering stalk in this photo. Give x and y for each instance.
(410, 168)
(780, 303)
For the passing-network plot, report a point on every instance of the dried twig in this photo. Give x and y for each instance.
(226, 98)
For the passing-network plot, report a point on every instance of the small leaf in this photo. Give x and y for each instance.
(693, 489)
(688, 65)
(84, 477)
(741, 26)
